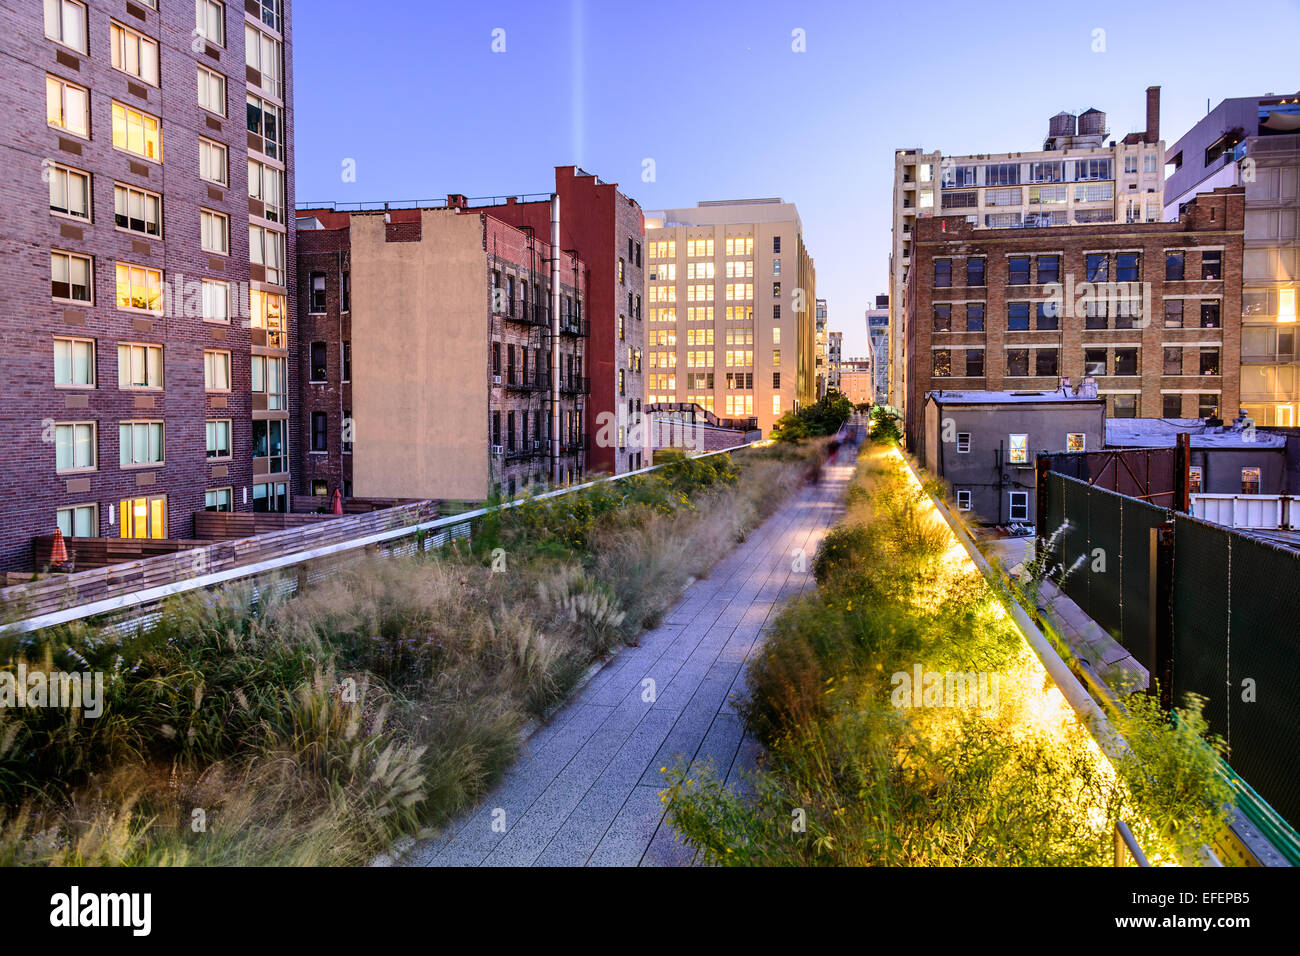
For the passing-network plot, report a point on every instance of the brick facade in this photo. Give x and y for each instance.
(1212, 224)
(30, 317)
(517, 338)
(604, 228)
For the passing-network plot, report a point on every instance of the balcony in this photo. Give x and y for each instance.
(527, 450)
(539, 382)
(524, 314)
(575, 386)
(577, 327)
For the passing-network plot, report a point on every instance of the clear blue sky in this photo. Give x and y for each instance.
(714, 93)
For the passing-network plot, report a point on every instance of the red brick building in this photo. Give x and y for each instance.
(606, 230)
(143, 282)
(1152, 311)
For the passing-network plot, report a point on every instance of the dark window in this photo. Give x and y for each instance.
(1098, 267)
(318, 292)
(345, 296)
(510, 295)
(1173, 266)
(1124, 309)
(1173, 362)
(347, 431)
(347, 361)
(776, 311)
(942, 363)
(1094, 314)
(1049, 269)
(510, 365)
(942, 273)
(319, 369)
(1017, 362)
(1211, 265)
(776, 290)
(1045, 362)
(510, 431)
(1172, 406)
(1209, 361)
(1173, 313)
(1126, 361)
(943, 318)
(975, 272)
(496, 428)
(496, 363)
(975, 362)
(319, 431)
(1094, 362)
(1210, 314)
(1018, 270)
(1126, 406)
(975, 317)
(1128, 267)
(1207, 406)
(1018, 316)
(776, 379)
(1046, 319)
(776, 243)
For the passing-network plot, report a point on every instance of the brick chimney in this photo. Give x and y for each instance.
(456, 201)
(1153, 115)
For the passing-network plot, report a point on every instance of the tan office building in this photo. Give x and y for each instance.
(730, 320)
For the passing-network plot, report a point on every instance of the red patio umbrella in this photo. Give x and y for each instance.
(58, 550)
(337, 506)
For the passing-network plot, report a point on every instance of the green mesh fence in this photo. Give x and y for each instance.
(1236, 620)
(1237, 644)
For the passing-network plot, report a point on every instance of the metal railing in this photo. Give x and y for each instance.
(400, 541)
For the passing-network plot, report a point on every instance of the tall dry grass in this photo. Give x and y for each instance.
(380, 703)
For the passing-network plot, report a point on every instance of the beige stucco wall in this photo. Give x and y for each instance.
(420, 359)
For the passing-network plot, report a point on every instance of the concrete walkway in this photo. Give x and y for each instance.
(585, 790)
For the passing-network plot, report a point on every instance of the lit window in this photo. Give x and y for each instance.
(139, 288)
(137, 132)
(1250, 481)
(266, 249)
(67, 106)
(1019, 449)
(1076, 441)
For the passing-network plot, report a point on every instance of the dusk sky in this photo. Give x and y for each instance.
(717, 97)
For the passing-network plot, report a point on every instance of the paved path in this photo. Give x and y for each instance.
(585, 790)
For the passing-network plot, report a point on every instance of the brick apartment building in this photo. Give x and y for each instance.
(1151, 310)
(605, 230)
(458, 398)
(144, 291)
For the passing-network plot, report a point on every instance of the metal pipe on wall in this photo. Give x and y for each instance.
(556, 414)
